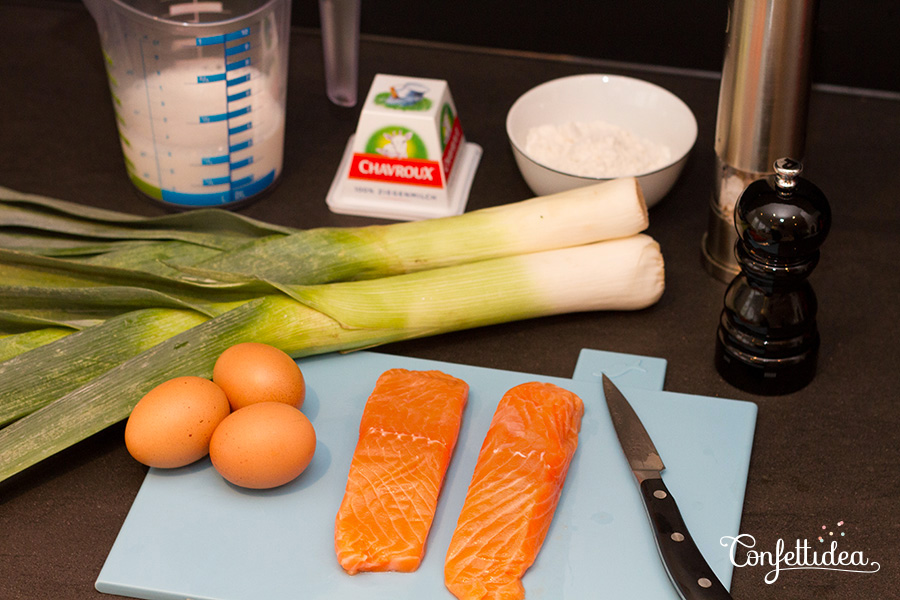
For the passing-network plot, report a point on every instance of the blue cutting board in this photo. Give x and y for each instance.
(190, 534)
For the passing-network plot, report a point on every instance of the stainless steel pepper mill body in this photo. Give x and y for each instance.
(762, 110)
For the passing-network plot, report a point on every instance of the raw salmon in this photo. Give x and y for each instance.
(514, 491)
(406, 437)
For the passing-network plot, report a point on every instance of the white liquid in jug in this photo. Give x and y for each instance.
(201, 136)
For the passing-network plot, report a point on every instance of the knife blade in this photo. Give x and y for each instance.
(689, 572)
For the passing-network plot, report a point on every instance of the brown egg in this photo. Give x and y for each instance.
(263, 445)
(172, 425)
(252, 372)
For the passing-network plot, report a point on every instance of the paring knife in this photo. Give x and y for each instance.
(688, 570)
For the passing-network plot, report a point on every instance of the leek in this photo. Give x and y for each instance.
(623, 274)
(42, 213)
(618, 274)
(14, 344)
(594, 213)
(97, 346)
(176, 267)
(603, 211)
(115, 296)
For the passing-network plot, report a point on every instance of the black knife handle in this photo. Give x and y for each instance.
(684, 563)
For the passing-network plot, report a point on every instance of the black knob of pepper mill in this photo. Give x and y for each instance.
(767, 341)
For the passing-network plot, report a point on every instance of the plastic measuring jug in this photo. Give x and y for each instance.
(199, 91)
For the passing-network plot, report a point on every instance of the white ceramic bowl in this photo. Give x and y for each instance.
(645, 109)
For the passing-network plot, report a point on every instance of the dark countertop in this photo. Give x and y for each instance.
(821, 455)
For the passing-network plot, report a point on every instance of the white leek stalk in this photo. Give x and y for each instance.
(622, 274)
(608, 210)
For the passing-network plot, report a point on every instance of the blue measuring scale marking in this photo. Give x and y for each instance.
(239, 186)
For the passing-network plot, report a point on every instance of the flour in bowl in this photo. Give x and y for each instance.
(594, 149)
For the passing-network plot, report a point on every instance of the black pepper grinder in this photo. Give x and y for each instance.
(767, 340)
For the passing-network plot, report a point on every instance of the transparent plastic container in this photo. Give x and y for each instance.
(199, 91)
(340, 49)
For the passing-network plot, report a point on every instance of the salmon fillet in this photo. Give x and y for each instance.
(514, 491)
(407, 434)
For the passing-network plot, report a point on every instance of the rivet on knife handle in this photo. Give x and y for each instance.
(685, 565)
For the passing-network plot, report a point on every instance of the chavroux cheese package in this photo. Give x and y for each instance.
(409, 158)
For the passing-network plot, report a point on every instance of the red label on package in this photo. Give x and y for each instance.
(410, 171)
(451, 149)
